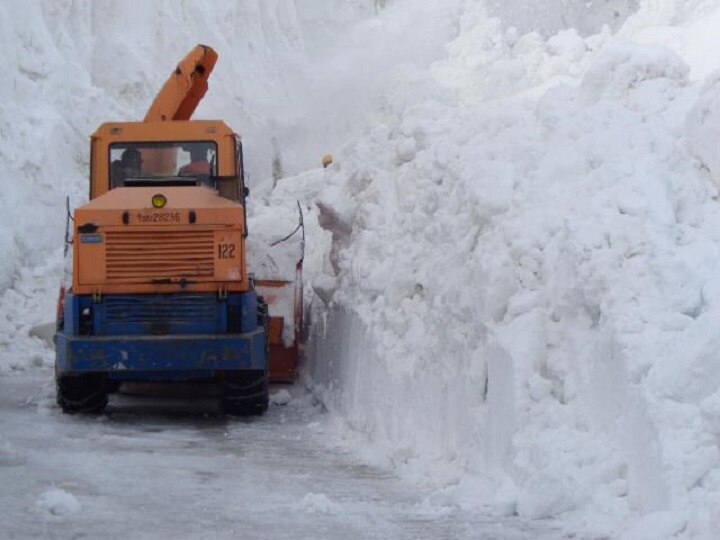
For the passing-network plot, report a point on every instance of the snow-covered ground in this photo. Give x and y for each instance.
(512, 262)
(171, 467)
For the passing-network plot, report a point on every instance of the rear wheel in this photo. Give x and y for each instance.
(86, 393)
(245, 393)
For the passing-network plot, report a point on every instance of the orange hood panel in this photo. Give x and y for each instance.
(122, 245)
(135, 205)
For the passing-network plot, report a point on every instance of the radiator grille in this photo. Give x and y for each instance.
(160, 314)
(149, 255)
(160, 308)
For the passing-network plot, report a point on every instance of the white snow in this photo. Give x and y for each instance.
(524, 297)
(173, 468)
(57, 502)
(512, 263)
(281, 397)
(9, 456)
(318, 503)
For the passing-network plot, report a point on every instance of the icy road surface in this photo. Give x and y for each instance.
(174, 468)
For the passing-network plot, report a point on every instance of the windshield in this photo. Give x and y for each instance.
(176, 163)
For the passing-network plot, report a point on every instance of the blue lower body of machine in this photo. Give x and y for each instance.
(168, 336)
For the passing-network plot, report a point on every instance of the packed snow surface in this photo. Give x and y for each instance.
(57, 502)
(174, 468)
(512, 263)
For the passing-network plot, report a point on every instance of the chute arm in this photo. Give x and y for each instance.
(186, 86)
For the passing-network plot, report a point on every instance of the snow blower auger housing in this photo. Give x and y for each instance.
(160, 289)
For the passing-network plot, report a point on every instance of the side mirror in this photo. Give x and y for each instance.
(246, 191)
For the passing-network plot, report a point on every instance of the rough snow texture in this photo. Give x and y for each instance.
(513, 261)
(318, 503)
(57, 502)
(523, 294)
(551, 16)
(282, 397)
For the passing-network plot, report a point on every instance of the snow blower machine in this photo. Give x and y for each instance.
(160, 287)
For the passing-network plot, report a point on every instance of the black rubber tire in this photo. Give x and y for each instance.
(245, 393)
(86, 393)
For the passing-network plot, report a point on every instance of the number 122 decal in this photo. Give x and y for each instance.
(226, 251)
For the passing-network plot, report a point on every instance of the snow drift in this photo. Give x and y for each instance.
(520, 302)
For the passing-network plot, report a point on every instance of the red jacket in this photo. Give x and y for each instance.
(196, 167)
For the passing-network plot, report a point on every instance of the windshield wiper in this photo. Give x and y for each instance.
(161, 182)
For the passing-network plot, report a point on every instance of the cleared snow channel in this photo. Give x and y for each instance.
(172, 467)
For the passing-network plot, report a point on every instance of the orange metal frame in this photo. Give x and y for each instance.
(223, 217)
(138, 253)
(284, 364)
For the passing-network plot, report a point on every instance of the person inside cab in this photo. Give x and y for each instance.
(198, 162)
(128, 166)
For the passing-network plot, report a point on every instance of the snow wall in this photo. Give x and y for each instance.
(519, 296)
(512, 262)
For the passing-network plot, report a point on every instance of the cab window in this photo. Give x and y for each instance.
(176, 163)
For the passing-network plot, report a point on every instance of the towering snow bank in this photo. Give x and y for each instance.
(518, 289)
(551, 16)
(686, 26)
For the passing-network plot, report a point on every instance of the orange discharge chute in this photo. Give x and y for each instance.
(177, 100)
(186, 86)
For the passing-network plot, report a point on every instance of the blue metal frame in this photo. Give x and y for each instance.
(161, 353)
(161, 336)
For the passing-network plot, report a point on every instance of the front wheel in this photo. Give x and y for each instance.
(85, 393)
